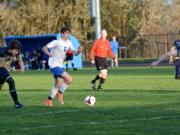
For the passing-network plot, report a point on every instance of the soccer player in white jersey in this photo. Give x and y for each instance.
(56, 50)
(170, 54)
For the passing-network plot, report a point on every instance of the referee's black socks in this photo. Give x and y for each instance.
(102, 80)
(96, 78)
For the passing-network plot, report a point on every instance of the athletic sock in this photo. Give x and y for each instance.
(53, 93)
(14, 96)
(49, 98)
(96, 78)
(102, 80)
(63, 87)
(60, 92)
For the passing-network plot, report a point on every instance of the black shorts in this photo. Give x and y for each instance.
(101, 63)
(69, 57)
(3, 75)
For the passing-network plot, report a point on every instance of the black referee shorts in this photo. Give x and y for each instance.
(101, 63)
(69, 57)
(3, 75)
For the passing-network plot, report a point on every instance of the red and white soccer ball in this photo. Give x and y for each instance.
(90, 100)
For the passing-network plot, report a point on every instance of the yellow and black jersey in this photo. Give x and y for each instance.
(6, 58)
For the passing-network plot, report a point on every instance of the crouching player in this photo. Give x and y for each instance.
(56, 50)
(7, 56)
(174, 52)
(170, 55)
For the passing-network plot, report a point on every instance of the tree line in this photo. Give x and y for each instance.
(127, 19)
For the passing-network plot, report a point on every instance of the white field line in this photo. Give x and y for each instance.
(47, 113)
(97, 123)
(122, 121)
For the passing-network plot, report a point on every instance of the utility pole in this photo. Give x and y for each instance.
(95, 13)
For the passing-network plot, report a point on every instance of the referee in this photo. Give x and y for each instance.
(100, 51)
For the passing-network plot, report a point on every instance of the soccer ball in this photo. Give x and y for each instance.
(90, 100)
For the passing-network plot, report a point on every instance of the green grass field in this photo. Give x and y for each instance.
(135, 101)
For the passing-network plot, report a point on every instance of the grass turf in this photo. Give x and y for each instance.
(135, 101)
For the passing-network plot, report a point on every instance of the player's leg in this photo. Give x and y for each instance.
(116, 60)
(102, 72)
(98, 63)
(112, 64)
(71, 60)
(96, 78)
(3, 75)
(177, 70)
(66, 65)
(72, 64)
(67, 81)
(56, 71)
(59, 94)
(13, 93)
(1, 86)
(53, 92)
(103, 76)
(101, 65)
(93, 82)
(177, 67)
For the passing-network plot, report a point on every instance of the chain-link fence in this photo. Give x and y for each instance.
(150, 46)
(143, 46)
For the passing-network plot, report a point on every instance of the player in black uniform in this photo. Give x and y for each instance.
(69, 57)
(7, 56)
(177, 62)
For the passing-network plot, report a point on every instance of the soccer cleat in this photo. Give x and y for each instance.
(18, 106)
(93, 85)
(177, 77)
(48, 103)
(60, 98)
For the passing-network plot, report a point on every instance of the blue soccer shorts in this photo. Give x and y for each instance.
(57, 72)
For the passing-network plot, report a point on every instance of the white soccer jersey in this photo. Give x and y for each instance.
(58, 49)
(173, 51)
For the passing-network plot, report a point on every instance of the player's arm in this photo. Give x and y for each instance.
(80, 49)
(21, 64)
(49, 45)
(74, 51)
(2, 52)
(171, 59)
(92, 53)
(46, 51)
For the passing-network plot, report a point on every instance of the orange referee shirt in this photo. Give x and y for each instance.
(101, 48)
